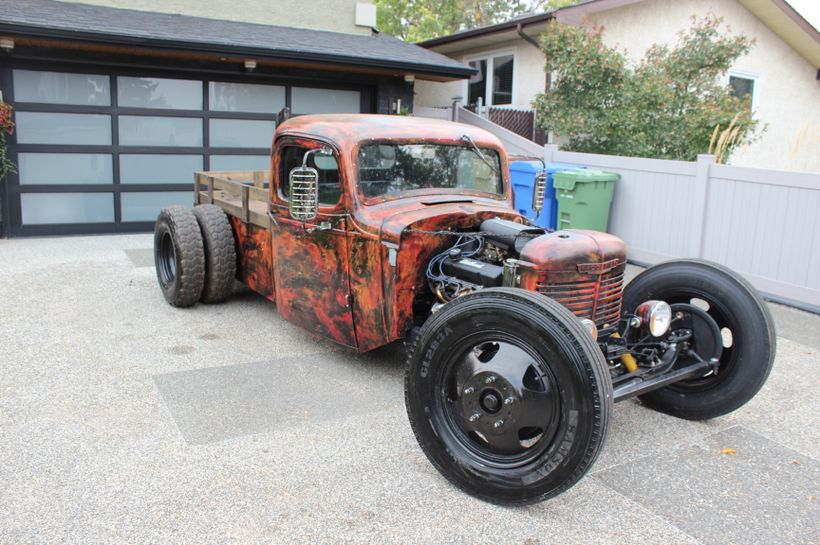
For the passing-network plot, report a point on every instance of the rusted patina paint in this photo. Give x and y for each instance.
(583, 270)
(380, 294)
(341, 283)
(311, 264)
(254, 254)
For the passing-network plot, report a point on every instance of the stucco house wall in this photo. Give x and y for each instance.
(787, 91)
(334, 15)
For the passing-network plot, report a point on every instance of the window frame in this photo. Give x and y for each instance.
(289, 141)
(11, 190)
(755, 78)
(362, 200)
(489, 56)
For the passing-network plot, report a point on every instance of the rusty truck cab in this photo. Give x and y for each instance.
(351, 274)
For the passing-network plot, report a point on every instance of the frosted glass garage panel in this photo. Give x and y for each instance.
(52, 208)
(241, 133)
(146, 206)
(240, 162)
(159, 169)
(65, 168)
(61, 88)
(160, 131)
(305, 100)
(245, 97)
(56, 128)
(162, 93)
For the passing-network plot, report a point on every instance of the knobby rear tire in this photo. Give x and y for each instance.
(179, 256)
(220, 253)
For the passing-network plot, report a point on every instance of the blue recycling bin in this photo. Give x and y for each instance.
(522, 175)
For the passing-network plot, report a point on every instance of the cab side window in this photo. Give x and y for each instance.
(326, 165)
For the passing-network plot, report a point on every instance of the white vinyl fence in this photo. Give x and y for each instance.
(764, 224)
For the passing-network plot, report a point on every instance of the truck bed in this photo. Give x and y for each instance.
(240, 193)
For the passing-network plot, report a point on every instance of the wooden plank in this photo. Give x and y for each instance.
(246, 213)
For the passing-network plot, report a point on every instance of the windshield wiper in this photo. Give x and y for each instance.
(476, 149)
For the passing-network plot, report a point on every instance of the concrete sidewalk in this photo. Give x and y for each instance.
(123, 420)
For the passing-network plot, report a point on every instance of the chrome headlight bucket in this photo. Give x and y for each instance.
(590, 326)
(657, 315)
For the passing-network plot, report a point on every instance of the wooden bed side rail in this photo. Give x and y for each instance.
(240, 193)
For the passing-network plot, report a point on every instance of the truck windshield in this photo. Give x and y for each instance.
(392, 168)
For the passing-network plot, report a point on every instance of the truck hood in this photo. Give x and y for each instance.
(432, 213)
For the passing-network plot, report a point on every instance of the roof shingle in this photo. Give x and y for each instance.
(113, 25)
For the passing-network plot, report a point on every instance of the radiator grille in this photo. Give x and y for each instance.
(598, 299)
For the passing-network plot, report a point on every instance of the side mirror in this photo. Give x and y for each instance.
(539, 191)
(304, 188)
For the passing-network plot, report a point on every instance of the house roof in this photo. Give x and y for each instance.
(103, 25)
(528, 22)
(778, 15)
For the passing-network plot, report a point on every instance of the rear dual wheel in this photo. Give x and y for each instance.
(508, 395)
(194, 255)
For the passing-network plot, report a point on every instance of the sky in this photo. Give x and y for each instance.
(809, 9)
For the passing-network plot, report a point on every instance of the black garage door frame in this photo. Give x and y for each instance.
(12, 189)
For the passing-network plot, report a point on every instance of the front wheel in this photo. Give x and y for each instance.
(742, 335)
(508, 395)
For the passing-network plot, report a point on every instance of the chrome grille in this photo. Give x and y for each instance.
(598, 299)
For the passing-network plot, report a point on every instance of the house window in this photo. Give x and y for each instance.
(742, 85)
(493, 83)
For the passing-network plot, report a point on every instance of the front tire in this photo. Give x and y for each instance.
(508, 395)
(746, 345)
(179, 257)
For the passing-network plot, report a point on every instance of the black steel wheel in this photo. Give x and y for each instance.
(179, 256)
(508, 395)
(729, 321)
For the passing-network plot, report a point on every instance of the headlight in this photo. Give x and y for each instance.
(591, 327)
(657, 315)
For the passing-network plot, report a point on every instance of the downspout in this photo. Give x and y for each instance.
(519, 29)
(527, 38)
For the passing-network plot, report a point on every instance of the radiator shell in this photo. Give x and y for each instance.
(583, 270)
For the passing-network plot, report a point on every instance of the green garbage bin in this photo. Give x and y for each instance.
(583, 198)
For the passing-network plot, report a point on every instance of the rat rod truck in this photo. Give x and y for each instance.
(380, 228)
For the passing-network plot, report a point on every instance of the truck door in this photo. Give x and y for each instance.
(311, 259)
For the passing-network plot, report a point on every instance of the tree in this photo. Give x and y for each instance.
(671, 105)
(417, 20)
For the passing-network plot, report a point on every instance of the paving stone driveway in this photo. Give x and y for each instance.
(123, 420)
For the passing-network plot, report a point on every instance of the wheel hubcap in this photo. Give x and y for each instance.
(505, 401)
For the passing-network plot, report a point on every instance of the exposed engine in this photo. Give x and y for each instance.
(581, 269)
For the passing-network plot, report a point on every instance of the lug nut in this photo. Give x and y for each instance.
(498, 423)
(490, 379)
(475, 417)
(508, 401)
(468, 391)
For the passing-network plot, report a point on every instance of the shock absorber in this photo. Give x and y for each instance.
(630, 364)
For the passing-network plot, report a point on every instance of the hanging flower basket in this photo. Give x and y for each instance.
(6, 129)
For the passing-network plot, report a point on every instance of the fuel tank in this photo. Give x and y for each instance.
(583, 270)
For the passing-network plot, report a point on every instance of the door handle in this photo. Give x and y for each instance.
(323, 226)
